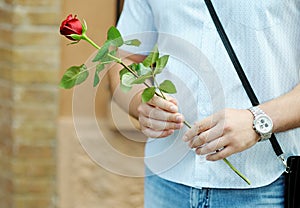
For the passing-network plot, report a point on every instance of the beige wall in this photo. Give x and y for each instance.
(99, 15)
(81, 181)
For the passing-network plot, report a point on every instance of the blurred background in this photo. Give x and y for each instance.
(43, 163)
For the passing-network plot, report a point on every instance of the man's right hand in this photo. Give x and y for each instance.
(159, 118)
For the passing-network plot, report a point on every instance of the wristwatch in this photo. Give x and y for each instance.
(262, 123)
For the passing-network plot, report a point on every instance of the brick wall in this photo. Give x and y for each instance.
(29, 62)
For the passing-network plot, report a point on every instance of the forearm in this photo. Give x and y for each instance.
(284, 110)
(128, 101)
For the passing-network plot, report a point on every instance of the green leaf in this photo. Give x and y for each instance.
(102, 52)
(96, 80)
(122, 72)
(161, 64)
(75, 36)
(114, 35)
(168, 87)
(142, 70)
(125, 88)
(127, 79)
(134, 42)
(75, 75)
(142, 79)
(99, 68)
(84, 27)
(152, 57)
(113, 52)
(148, 94)
(134, 67)
(73, 43)
(122, 86)
(107, 59)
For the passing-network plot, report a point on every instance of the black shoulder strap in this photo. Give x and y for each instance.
(238, 68)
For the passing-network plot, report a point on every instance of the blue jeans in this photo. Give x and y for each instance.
(160, 193)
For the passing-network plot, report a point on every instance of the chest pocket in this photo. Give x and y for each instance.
(257, 15)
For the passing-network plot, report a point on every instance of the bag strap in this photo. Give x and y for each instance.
(245, 82)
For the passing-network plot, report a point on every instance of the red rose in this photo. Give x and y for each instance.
(70, 26)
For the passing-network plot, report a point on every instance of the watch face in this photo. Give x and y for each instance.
(263, 124)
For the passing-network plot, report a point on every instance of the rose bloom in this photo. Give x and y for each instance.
(71, 25)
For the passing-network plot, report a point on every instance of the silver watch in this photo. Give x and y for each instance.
(262, 123)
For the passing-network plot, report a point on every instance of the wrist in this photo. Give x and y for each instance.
(251, 119)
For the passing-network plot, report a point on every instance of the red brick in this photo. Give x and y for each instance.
(36, 187)
(32, 3)
(35, 95)
(35, 113)
(6, 37)
(5, 56)
(34, 38)
(5, 200)
(33, 202)
(5, 93)
(6, 185)
(34, 76)
(33, 168)
(6, 71)
(5, 150)
(31, 152)
(6, 15)
(37, 132)
(37, 58)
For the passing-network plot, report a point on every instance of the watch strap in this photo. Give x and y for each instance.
(256, 111)
(245, 82)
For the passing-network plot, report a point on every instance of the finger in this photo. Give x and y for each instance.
(211, 147)
(172, 100)
(156, 134)
(199, 127)
(225, 152)
(207, 136)
(158, 114)
(157, 124)
(163, 104)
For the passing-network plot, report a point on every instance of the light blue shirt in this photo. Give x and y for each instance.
(266, 38)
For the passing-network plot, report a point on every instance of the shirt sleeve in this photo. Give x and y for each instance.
(137, 22)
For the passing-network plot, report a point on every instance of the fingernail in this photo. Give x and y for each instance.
(171, 131)
(184, 138)
(178, 126)
(198, 151)
(179, 118)
(173, 108)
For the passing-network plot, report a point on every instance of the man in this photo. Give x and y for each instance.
(184, 166)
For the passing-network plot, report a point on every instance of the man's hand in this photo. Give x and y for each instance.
(159, 118)
(222, 134)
